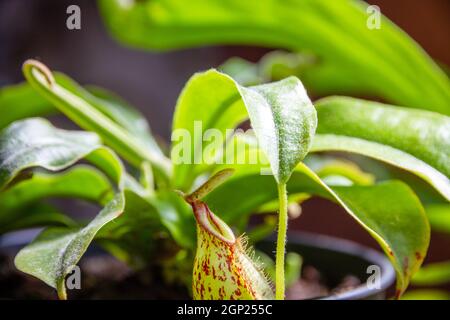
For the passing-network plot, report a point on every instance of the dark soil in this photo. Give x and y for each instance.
(103, 277)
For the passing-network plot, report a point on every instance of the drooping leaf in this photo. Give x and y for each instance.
(281, 115)
(389, 211)
(384, 153)
(352, 56)
(90, 118)
(423, 134)
(18, 202)
(35, 143)
(54, 253)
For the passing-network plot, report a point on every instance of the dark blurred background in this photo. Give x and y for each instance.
(152, 81)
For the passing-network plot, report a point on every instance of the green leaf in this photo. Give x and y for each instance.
(413, 140)
(284, 121)
(116, 109)
(35, 143)
(54, 253)
(177, 217)
(21, 101)
(244, 72)
(88, 117)
(425, 135)
(281, 115)
(352, 57)
(80, 182)
(398, 222)
(328, 168)
(433, 274)
(384, 153)
(426, 294)
(439, 216)
(36, 215)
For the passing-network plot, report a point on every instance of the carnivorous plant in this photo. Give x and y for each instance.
(197, 199)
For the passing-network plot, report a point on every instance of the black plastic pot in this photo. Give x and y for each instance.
(334, 258)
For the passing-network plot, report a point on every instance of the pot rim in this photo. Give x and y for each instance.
(344, 246)
(351, 248)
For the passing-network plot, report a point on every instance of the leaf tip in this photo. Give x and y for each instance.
(29, 64)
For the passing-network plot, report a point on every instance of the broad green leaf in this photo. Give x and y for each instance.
(21, 101)
(397, 222)
(90, 118)
(384, 61)
(208, 100)
(54, 253)
(280, 113)
(423, 134)
(36, 143)
(433, 274)
(439, 216)
(385, 153)
(80, 182)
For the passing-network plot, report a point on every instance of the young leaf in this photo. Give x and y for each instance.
(116, 109)
(383, 61)
(22, 101)
(398, 222)
(281, 114)
(284, 121)
(88, 117)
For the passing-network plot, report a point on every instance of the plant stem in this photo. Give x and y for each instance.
(281, 242)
